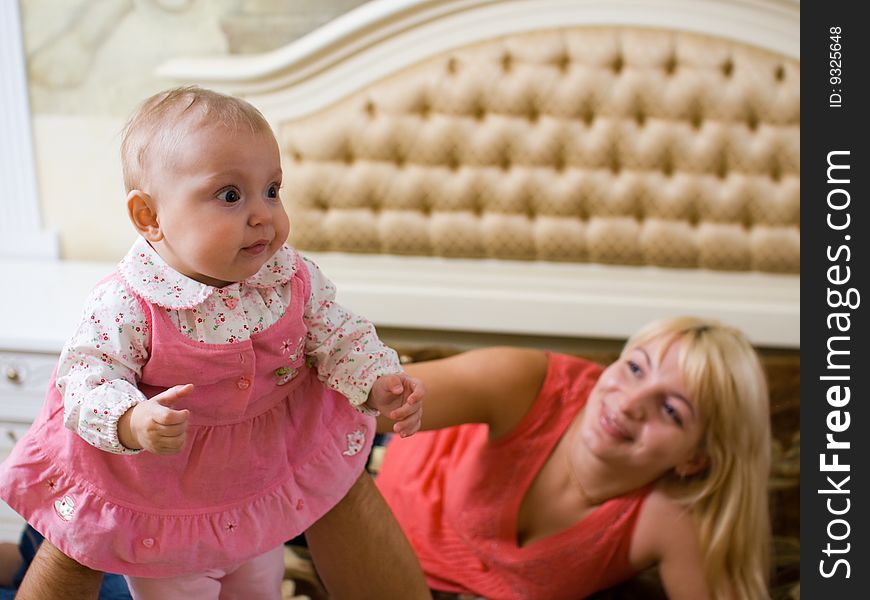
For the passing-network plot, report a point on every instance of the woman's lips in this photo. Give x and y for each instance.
(613, 428)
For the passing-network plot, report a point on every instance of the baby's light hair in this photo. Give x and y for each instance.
(729, 498)
(162, 121)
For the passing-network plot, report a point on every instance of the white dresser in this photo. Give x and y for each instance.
(39, 309)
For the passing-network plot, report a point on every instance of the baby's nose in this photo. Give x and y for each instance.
(260, 213)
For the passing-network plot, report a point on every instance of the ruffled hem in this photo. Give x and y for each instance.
(108, 536)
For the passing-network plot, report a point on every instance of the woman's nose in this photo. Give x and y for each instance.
(633, 402)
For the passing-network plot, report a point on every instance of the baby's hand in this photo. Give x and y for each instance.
(399, 397)
(155, 426)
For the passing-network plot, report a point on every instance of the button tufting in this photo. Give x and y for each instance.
(243, 383)
(148, 542)
(661, 153)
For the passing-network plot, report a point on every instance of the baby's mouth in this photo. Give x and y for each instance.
(257, 247)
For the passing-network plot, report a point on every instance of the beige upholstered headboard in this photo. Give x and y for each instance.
(552, 167)
(618, 146)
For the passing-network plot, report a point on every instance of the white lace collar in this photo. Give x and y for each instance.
(150, 277)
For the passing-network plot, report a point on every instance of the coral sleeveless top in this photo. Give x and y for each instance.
(269, 450)
(457, 496)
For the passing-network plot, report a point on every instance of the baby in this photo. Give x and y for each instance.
(221, 401)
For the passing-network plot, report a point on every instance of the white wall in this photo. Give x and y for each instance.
(89, 63)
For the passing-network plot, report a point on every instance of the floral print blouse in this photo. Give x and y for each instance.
(101, 364)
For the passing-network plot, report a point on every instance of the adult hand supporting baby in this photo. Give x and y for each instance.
(154, 426)
(399, 397)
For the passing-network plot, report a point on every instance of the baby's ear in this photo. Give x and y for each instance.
(143, 214)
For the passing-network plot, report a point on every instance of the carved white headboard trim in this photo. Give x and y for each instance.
(382, 37)
(498, 296)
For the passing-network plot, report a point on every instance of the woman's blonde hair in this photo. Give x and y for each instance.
(729, 498)
(162, 121)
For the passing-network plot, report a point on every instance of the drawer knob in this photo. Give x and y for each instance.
(13, 375)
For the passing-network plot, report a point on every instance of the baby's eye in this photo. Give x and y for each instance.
(273, 191)
(230, 196)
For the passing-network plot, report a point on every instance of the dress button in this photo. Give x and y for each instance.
(243, 383)
(148, 542)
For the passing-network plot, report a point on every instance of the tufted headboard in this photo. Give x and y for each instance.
(547, 167)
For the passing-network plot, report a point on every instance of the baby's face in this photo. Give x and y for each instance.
(218, 204)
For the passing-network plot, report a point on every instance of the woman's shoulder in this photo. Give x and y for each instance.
(572, 366)
(528, 384)
(537, 365)
(664, 522)
(539, 385)
(660, 501)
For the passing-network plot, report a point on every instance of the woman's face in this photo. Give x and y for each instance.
(640, 418)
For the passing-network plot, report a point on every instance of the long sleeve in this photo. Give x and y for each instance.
(348, 353)
(100, 365)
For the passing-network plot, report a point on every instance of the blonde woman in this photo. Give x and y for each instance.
(552, 477)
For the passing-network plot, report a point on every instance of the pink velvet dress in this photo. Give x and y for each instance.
(270, 450)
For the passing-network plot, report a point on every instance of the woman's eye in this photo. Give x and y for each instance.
(633, 367)
(229, 196)
(673, 413)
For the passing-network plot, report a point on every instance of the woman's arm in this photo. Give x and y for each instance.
(666, 535)
(495, 386)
